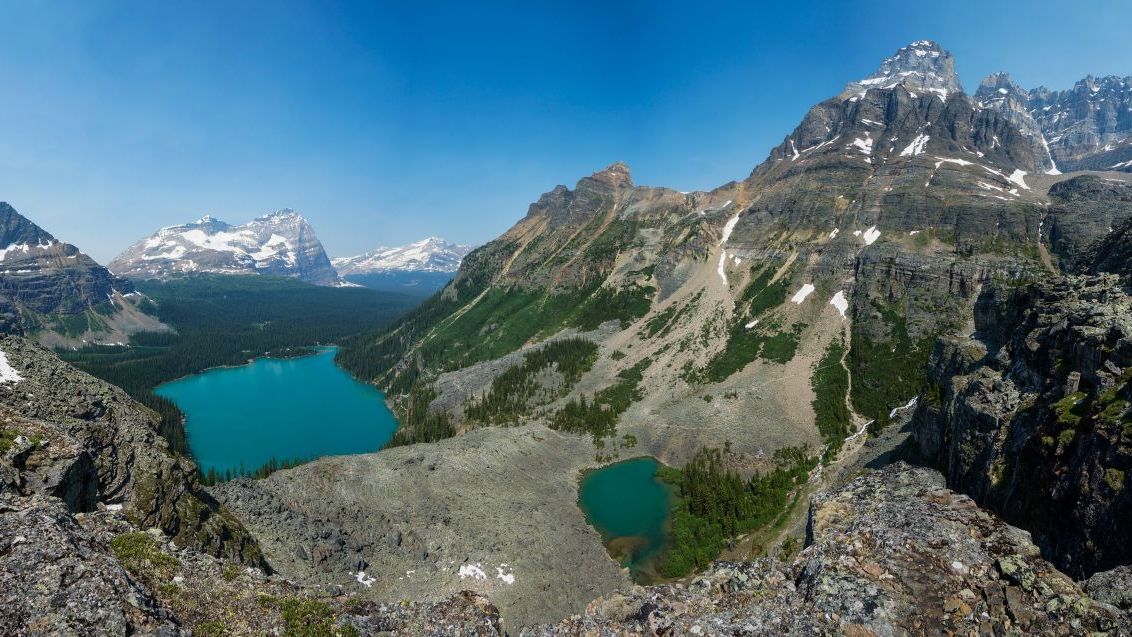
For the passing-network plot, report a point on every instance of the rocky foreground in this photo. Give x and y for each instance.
(891, 553)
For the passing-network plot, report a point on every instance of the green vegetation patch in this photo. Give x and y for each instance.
(887, 371)
(511, 392)
(141, 554)
(599, 415)
(830, 382)
(714, 504)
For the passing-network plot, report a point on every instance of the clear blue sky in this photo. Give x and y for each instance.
(386, 122)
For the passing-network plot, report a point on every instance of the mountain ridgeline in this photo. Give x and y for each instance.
(56, 292)
(875, 224)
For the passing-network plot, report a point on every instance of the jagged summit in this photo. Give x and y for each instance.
(921, 66)
(281, 243)
(615, 175)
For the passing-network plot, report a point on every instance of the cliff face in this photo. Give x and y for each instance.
(87, 443)
(1031, 416)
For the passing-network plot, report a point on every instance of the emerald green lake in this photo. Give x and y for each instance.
(629, 506)
(283, 408)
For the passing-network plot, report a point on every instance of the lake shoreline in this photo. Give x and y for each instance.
(275, 412)
(641, 549)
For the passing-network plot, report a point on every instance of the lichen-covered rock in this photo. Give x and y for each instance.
(1031, 416)
(57, 578)
(94, 444)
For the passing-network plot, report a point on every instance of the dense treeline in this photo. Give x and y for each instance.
(714, 504)
(598, 417)
(511, 392)
(226, 320)
(830, 381)
(212, 476)
(887, 371)
(416, 422)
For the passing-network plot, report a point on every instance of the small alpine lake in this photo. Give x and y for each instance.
(629, 505)
(281, 409)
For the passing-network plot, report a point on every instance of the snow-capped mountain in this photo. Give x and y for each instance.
(428, 255)
(281, 243)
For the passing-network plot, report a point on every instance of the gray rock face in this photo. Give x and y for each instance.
(1031, 417)
(1089, 127)
(922, 66)
(892, 553)
(1083, 210)
(282, 243)
(56, 578)
(41, 275)
(96, 445)
(1000, 93)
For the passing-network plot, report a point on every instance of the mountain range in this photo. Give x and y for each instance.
(284, 243)
(420, 268)
(914, 274)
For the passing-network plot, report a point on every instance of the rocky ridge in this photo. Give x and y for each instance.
(79, 439)
(281, 243)
(55, 291)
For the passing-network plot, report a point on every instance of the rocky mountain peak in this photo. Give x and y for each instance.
(18, 229)
(615, 175)
(997, 87)
(921, 66)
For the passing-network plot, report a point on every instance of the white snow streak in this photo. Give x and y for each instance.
(840, 302)
(722, 264)
(908, 405)
(475, 571)
(801, 295)
(7, 373)
(728, 228)
(916, 147)
(871, 235)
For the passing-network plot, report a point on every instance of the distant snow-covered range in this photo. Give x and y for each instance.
(281, 243)
(428, 255)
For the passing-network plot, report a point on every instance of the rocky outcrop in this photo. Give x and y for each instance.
(57, 578)
(894, 552)
(1082, 210)
(282, 243)
(1113, 253)
(1031, 416)
(88, 443)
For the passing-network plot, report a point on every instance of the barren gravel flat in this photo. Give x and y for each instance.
(493, 511)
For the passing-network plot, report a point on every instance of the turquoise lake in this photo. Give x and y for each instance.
(283, 408)
(629, 506)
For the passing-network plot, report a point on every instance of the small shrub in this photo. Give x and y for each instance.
(230, 572)
(139, 552)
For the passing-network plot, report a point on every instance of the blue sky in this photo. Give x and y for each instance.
(387, 122)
